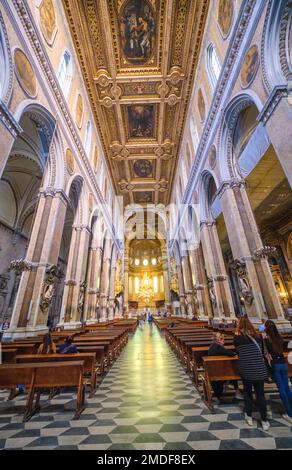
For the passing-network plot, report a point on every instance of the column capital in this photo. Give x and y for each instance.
(231, 184)
(207, 223)
(7, 118)
(54, 193)
(81, 227)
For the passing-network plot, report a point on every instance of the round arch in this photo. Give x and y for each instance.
(235, 107)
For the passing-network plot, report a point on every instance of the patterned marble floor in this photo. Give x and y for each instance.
(145, 402)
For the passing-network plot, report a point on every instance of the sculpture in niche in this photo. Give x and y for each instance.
(48, 19)
(250, 66)
(201, 105)
(25, 73)
(79, 111)
(52, 274)
(70, 161)
(143, 168)
(239, 266)
(137, 31)
(141, 121)
(81, 298)
(225, 16)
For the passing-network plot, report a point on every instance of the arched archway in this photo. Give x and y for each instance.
(30, 169)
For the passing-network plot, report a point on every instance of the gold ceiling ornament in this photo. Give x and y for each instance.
(172, 100)
(107, 102)
(161, 186)
(103, 78)
(126, 186)
(119, 78)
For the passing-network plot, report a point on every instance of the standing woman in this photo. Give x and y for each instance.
(275, 346)
(252, 368)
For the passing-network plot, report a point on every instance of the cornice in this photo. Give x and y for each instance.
(8, 120)
(278, 92)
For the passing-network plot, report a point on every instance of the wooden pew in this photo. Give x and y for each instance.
(37, 377)
(197, 359)
(221, 369)
(89, 359)
(8, 355)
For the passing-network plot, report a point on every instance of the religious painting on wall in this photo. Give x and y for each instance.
(48, 19)
(250, 66)
(79, 111)
(70, 161)
(25, 73)
(225, 16)
(143, 168)
(141, 121)
(201, 105)
(137, 31)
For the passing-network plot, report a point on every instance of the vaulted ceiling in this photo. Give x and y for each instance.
(139, 59)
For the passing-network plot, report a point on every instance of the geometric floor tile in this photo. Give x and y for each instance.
(145, 402)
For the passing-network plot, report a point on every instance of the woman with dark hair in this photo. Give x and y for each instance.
(252, 368)
(275, 347)
(48, 346)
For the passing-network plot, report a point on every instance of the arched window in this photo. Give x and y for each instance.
(194, 134)
(184, 171)
(87, 142)
(100, 178)
(65, 73)
(213, 65)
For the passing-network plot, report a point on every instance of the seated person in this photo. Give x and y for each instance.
(48, 346)
(194, 318)
(217, 349)
(68, 347)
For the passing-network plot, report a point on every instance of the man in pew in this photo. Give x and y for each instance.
(217, 349)
(68, 347)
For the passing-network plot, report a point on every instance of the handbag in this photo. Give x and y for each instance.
(265, 355)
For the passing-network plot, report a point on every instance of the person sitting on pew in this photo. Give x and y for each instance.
(252, 367)
(276, 359)
(68, 347)
(48, 346)
(217, 349)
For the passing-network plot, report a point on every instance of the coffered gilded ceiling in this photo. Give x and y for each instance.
(139, 59)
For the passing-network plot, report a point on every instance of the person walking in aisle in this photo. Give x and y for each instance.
(252, 367)
(276, 359)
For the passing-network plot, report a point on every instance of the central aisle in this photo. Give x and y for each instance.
(145, 402)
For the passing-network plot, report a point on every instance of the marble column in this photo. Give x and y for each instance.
(104, 289)
(93, 283)
(166, 282)
(31, 307)
(218, 282)
(181, 289)
(9, 131)
(256, 282)
(113, 273)
(74, 290)
(188, 286)
(202, 296)
(280, 135)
